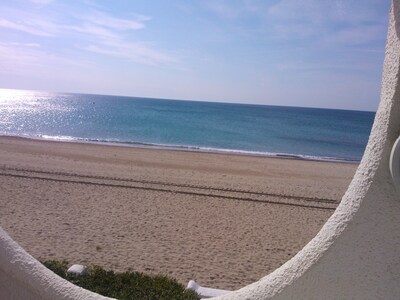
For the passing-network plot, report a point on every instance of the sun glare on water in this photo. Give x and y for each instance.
(8, 95)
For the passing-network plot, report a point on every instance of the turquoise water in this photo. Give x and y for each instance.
(308, 133)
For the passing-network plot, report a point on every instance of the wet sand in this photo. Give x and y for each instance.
(223, 220)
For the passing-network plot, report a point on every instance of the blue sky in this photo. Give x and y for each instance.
(314, 53)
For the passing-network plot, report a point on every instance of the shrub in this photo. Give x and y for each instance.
(127, 285)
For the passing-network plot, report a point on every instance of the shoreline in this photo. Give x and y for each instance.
(222, 220)
(195, 149)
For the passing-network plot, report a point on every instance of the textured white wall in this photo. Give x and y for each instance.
(23, 277)
(356, 255)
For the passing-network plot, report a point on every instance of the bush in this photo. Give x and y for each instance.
(59, 267)
(127, 285)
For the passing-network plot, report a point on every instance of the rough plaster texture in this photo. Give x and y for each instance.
(23, 277)
(356, 253)
(354, 256)
(395, 163)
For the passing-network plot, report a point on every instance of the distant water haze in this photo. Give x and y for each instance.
(309, 133)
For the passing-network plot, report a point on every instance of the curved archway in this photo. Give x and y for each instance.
(355, 255)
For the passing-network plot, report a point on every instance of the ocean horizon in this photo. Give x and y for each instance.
(248, 129)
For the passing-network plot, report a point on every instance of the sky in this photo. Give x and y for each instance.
(309, 53)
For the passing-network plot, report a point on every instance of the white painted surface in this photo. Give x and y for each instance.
(205, 292)
(356, 255)
(77, 269)
(22, 277)
(395, 163)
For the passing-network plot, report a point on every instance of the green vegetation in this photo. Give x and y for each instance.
(127, 285)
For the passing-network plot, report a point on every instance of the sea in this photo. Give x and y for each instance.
(277, 131)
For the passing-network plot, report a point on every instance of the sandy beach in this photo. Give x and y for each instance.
(223, 220)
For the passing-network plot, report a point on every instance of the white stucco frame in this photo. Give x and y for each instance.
(356, 255)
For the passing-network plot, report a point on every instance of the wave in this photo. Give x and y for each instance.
(188, 148)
